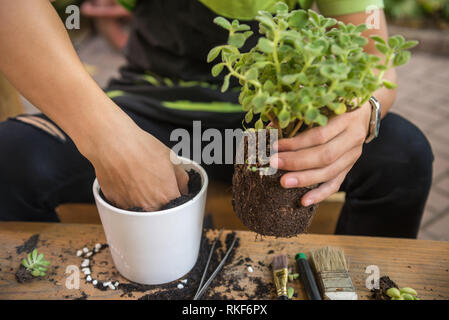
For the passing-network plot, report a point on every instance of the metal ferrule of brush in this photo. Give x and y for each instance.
(337, 285)
(280, 281)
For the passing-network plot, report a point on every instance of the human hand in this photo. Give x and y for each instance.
(134, 170)
(323, 154)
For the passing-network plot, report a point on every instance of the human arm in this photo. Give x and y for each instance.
(38, 58)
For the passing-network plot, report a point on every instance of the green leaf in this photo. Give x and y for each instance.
(259, 102)
(265, 45)
(236, 40)
(281, 7)
(225, 85)
(378, 39)
(259, 124)
(25, 263)
(36, 273)
(311, 114)
(249, 116)
(222, 22)
(409, 45)
(298, 19)
(213, 54)
(382, 48)
(290, 292)
(34, 254)
(401, 58)
(217, 69)
(251, 74)
(336, 49)
(289, 78)
(321, 120)
(389, 84)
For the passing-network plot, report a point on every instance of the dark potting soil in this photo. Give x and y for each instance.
(385, 283)
(194, 186)
(23, 275)
(29, 245)
(263, 205)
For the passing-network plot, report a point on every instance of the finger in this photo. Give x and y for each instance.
(325, 190)
(315, 136)
(307, 178)
(182, 178)
(315, 157)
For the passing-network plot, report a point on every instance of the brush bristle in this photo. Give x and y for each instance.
(280, 262)
(329, 259)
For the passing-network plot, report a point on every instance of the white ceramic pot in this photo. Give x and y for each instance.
(155, 247)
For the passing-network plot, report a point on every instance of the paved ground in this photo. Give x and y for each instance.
(423, 99)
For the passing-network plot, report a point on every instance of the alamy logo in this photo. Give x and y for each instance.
(73, 20)
(213, 146)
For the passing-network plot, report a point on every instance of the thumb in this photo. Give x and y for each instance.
(182, 178)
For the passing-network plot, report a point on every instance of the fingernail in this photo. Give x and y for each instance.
(276, 162)
(308, 202)
(275, 146)
(291, 182)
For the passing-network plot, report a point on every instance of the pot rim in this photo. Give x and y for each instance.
(184, 161)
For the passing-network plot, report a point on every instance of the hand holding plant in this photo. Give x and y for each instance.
(308, 74)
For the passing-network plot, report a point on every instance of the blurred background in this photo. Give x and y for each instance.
(423, 83)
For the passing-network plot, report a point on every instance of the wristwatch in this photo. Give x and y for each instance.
(374, 122)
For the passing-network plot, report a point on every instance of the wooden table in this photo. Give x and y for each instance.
(422, 265)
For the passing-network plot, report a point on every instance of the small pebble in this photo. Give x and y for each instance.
(88, 278)
(94, 282)
(79, 253)
(85, 250)
(85, 263)
(111, 286)
(88, 254)
(97, 250)
(98, 246)
(180, 286)
(184, 281)
(250, 269)
(105, 284)
(116, 283)
(86, 271)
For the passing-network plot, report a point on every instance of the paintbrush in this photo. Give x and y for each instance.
(332, 273)
(280, 274)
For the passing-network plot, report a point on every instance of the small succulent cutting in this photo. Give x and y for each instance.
(304, 68)
(36, 264)
(402, 294)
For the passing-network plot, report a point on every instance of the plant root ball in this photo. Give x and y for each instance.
(265, 207)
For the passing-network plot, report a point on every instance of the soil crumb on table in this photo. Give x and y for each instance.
(23, 275)
(29, 245)
(385, 283)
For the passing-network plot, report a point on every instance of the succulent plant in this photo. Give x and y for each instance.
(36, 264)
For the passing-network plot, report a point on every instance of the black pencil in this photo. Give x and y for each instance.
(307, 278)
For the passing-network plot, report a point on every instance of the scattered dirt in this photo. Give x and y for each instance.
(194, 186)
(29, 245)
(23, 275)
(385, 283)
(263, 205)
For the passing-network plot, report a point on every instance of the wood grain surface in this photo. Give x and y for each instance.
(422, 265)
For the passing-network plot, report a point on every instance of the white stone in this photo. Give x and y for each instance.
(111, 286)
(250, 269)
(116, 283)
(98, 246)
(180, 286)
(88, 254)
(184, 281)
(85, 250)
(85, 263)
(89, 278)
(79, 253)
(105, 284)
(94, 282)
(86, 271)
